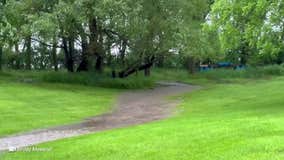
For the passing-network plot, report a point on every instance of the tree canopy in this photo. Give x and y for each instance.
(127, 36)
(130, 36)
(253, 29)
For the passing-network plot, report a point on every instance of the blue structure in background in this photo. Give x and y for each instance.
(240, 67)
(224, 65)
(228, 65)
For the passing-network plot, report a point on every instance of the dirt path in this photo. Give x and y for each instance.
(134, 107)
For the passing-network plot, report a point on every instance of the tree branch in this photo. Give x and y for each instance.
(45, 44)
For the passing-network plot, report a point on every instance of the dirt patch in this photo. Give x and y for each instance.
(133, 107)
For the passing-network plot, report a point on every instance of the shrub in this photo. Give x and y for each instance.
(276, 70)
(99, 80)
(250, 72)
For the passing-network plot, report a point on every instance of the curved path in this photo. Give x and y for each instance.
(133, 107)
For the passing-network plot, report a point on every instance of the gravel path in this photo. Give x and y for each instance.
(133, 107)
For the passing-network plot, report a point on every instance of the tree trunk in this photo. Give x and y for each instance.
(123, 52)
(244, 55)
(161, 62)
(54, 54)
(95, 46)
(191, 65)
(68, 47)
(146, 67)
(18, 63)
(70, 62)
(147, 72)
(29, 53)
(93, 27)
(113, 74)
(84, 65)
(99, 63)
(131, 70)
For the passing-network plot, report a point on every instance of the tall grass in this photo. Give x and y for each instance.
(250, 72)
(218, 75)
(100, 80)
(88, 79)
(139, 81)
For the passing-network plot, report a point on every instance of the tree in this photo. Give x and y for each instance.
(251, 29)
(93, 33)
(2, 24)
(165, 28)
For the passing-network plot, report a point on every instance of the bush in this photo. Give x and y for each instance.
(250, 72)
(275, 70)
(99, 80)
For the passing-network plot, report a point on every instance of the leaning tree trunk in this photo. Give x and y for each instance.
(135, 68)
(29, 53)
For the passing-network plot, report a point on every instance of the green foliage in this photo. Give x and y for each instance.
(140, 82)
(87, 79)
(98, 80)
(147, 28)
(218, 76)
(250, 29)
(221, 75)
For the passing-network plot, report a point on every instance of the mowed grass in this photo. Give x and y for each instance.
(221, 122)
(24, 107)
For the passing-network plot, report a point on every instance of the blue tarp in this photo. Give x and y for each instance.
(224, 64)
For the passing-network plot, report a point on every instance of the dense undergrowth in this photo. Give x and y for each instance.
(138, 81)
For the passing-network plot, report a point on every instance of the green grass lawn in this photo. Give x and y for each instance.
(24, 107)
(221, 122)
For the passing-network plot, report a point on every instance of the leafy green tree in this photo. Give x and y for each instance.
(251, 29)
(165, 28)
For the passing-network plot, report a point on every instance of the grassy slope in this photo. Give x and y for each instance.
(30, 106)
(225, 121)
